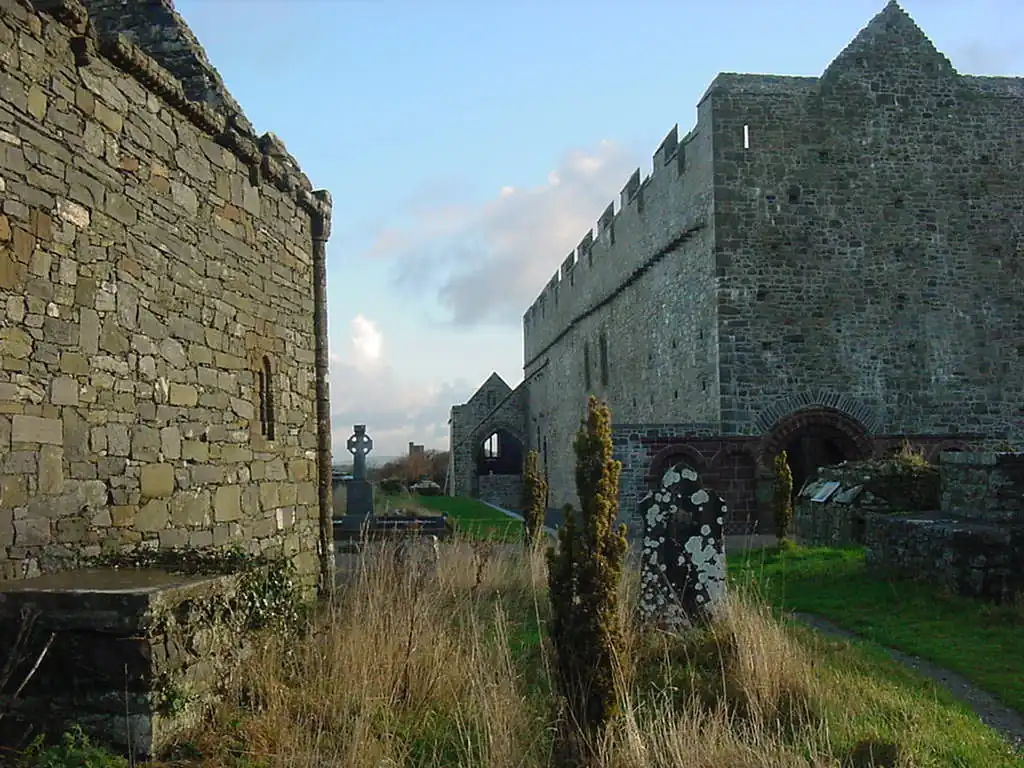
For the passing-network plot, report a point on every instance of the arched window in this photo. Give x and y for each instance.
(266, 392)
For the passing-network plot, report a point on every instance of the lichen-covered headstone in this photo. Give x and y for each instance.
(683, 560)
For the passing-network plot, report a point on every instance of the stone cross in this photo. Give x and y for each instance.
(683, 561)
(359, 445)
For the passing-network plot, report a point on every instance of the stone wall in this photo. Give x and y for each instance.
(879, 486)
(868, 239)
(504, 490)
(495, 406)
(984, 486)
(155, 260)
(838, 241)
(981, 560)
(136, 655)
(630, 318)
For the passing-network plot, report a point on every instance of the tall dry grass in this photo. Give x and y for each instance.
(443, 667)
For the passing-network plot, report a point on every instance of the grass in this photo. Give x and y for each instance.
(421, 668)
(980, 641)
(474, 519)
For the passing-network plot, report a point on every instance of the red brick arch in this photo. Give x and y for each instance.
(850, 435)
(673, 454)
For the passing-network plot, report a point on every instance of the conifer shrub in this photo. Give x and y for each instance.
(783, 497)
(535, 497)
(583, 578)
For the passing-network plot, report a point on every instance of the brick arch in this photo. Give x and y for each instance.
(852, 436)
(672, 454)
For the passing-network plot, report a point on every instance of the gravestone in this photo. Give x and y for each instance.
(359, 502)
(683, 560)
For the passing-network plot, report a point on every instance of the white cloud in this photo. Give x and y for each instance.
(366, 389)
(367, 342)
(487, 263)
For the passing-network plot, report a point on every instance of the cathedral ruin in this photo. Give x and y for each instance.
(823, 265)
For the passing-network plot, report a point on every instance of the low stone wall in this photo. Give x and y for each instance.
(969, 558)
(983, 486)
(848, 492)
(504, 490)
(136, 653)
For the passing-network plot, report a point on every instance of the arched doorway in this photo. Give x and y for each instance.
(498, 459)
(813, 438)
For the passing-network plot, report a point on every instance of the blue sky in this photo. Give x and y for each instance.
(470, 145)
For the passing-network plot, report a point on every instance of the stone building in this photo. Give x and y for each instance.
(825, 265)
(163, 360)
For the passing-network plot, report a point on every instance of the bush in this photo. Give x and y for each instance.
(391, 486)
(783, 496)
(535, 497)
(584, 579)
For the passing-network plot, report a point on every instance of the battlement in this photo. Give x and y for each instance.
(149, 41)
(600, 261)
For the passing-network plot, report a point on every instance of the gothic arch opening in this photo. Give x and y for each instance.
(816, 437)
(499, 453)
(498, 460)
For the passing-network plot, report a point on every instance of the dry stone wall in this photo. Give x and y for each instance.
(155, 258)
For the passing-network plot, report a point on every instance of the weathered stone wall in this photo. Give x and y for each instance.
(726, 466)
(153, 254)
(880, 486)
(868, 239)
(983, 486)
(974, 559)
(504, 490)
(492, 407)
(136, 655)
(840, 242)
(630, 317)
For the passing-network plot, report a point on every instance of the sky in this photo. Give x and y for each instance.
(469, 146)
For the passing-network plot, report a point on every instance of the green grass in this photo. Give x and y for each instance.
(474, 519)
(980, 641)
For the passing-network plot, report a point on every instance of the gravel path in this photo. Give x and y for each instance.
(1005, 721)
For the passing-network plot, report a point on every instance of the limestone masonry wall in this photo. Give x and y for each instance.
(155, 259)
(649, 269)
(852, 241)
(869, 240)
(988, 487)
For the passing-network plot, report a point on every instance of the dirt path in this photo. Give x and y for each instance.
(1005, 721)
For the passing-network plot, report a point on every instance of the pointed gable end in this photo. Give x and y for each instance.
(890, 49)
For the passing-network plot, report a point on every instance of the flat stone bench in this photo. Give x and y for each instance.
(131, 654)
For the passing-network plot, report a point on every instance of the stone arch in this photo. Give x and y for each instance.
(673, 454)
(864, 416)
(498, 480)
(499, 452)
(815, 437)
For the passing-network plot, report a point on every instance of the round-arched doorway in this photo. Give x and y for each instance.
(813, 438)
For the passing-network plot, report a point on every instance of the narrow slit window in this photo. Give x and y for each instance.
(586, 367)
(604, 359)
(266, 392)
(746, 137)
(491, 446)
